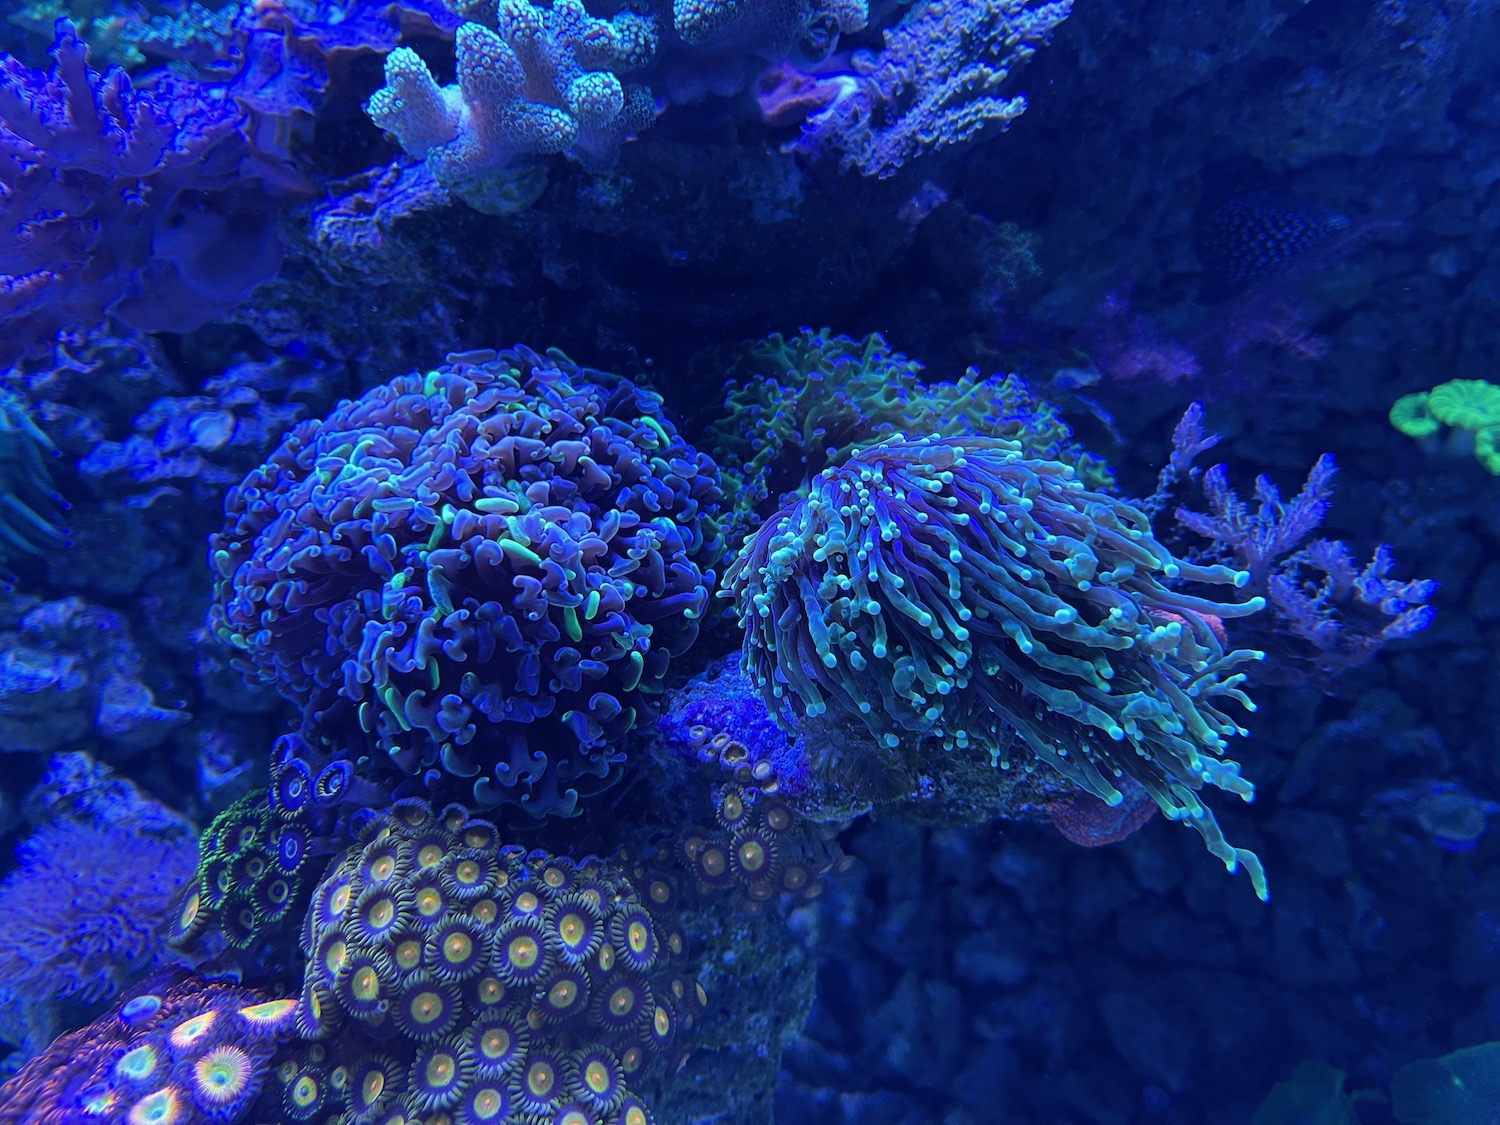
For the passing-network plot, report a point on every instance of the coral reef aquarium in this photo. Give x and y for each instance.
(731, 562)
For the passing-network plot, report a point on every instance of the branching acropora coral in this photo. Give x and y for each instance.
(953, 592)
(485, 569)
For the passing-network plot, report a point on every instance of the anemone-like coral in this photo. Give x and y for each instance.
(487, 977)
(759, 846)
(955, 593)
(30, 508)
(88, 907)
(484, 571)
(796, 405)
(178, 1049)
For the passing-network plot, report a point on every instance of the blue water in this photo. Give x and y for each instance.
(601, 562)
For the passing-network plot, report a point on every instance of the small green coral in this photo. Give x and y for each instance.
(797, 405)
(1411, 416)
(1465, 404)
(1487, 448)
(1468, 409)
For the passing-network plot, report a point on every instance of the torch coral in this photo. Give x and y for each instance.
(486, 569)
(954, 591)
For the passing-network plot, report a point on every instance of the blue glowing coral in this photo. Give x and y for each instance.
(542, 80)
(956, 593)
(88, 907)
(936, 83)
(100, 204)
(481, 572)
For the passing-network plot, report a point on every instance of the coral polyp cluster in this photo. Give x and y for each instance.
(957, 592)
(760, 846)
(482, 979)
(177, 1050)
(483, 571)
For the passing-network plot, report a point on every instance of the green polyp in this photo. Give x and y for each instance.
(519, 552)
(631, 678)
(395, 705)
(656, 427)
(570, 624)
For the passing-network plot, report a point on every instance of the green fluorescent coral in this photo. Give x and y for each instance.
(798, 404)
(1467, 411)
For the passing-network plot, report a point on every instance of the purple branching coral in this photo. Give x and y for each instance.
(953, 593)
(483, 572)
(136, 203)
(936, 83)
(1328, 614)
(767, 28)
